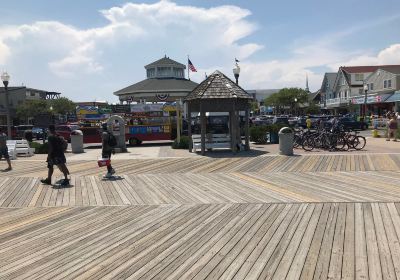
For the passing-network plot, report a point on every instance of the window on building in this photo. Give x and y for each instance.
(371, 86)
(360, 91)
(151, 72)
(359, 77)
(163, 71)
(387, 83)
(343, 81)
(178, 72)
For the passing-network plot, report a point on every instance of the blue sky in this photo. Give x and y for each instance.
(89, 49)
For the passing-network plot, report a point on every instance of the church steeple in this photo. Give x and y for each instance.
(307, 88)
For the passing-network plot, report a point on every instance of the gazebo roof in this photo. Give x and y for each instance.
(158, 85)
(165, 61)
(217, 86)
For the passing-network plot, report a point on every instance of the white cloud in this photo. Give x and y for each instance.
(76, 49)
(389, 55)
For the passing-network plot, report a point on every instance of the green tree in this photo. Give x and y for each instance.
(62, 106)
(285, 99)
(312, 108)
(254, 106)
(32, 108)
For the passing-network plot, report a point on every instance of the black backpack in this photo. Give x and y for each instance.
(112, 140)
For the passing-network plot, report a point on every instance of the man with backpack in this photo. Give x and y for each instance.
(108, 143)
(56, 148)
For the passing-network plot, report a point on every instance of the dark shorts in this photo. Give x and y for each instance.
(106, 154)
(56, 161)
(4, 153)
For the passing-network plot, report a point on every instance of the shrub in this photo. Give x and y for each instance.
(39, 148)
(184, 144)
(258, 134)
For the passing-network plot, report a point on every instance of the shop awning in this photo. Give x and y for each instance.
(394, 97)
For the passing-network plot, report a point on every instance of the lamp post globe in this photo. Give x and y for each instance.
(236, 72)
(5, 77)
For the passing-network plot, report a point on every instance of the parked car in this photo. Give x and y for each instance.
(38, 133)
(350, 123)
(280, 120)
(263, 120)
(21, 130)
(65, 130)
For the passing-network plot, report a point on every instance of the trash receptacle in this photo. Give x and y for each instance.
(77, 141)
(286, 141)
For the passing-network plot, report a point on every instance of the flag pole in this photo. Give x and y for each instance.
(188, 67)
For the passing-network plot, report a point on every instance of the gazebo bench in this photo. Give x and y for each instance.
(22, 148)
(213, 141)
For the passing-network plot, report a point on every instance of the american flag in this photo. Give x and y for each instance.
(191, 66)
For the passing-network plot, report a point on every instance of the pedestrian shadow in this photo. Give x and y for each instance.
(57, 187)
(113, 178)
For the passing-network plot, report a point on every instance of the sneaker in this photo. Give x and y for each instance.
(46, 181)
(394, 140)
(108, 175)
(8, 169)
(112, 171)
(64, 183)
(387, 139)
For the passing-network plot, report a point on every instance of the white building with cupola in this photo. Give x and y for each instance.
(165, 82)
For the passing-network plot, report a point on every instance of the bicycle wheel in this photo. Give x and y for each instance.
(340, 143)
(296, 141)
(308, 144)
(359, 142)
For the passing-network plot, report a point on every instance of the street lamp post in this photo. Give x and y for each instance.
(236, 72)
(5, 78)
(295, 106)
(365, 100)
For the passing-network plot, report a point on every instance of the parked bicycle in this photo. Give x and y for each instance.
(337, 139)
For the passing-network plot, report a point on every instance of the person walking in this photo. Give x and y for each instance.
(4, 149)
(107, 148)
(392, 128)
(56, 156)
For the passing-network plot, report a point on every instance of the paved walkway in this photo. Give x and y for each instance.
(256, 216)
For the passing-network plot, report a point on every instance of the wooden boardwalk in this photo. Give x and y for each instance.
(270, 217)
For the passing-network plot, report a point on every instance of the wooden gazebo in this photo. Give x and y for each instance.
(218, 93)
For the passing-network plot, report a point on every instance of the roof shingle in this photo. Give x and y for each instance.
(217, 85)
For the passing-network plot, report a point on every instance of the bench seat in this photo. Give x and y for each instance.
(213, 141)
(22, 148)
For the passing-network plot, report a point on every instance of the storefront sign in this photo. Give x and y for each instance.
(83, 110)
(136, 108)
(120, 108)
(370, 99)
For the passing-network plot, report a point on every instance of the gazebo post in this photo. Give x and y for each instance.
(189, 118)
(238, 131)
(203, 129)
(234, 127)
(246, 130)
(231, 129)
